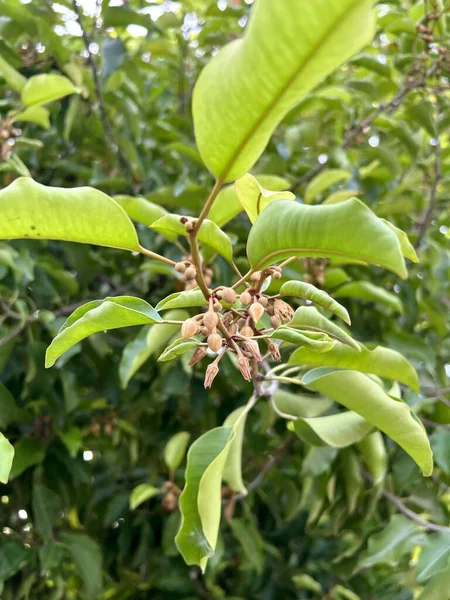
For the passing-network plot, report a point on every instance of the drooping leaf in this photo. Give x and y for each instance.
(347, 231)
(88, 559)
(177, 348)
(254, 197)
(308, 317)
(300, 405)
(208, 234)
(375, 456)
(364, 290)
(100, 315)
(406, 246)
(185, 299)
(353, 481)
(387, 547)
(175, 450)
(232, 471)
(6, 458)
(276, 64)
(142, 493)
(31, 210)
(338, 431)
(323, 182)
(380, 361)
(301, 289)
(44, 88)
(320, 342)
(435, 556)
(140, 209)
(227, 205)
(359, 393)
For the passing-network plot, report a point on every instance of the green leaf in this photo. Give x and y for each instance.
(140, 209)
(142, 493)
(232, 471)
(360, 393)
(46, 508)
(149, 341)
(308, 317)
(374, 453)
(340, 196)
(347, 231)
(34, 114)
(175, 450)
(306, 582)
(435, 556)
(380, 361)
(251, 543)
(321, 342)
(273, 67)
(13, 555)
(9, 411)
(301, 289)
(438, 588)
(87, 556)
(100, 315)
(337, 431)
(323, 181)
(387, 547)
(27, 453)
(186, 299)
(31, 210)
(300, 405)
(177, 348)
(353, 481)
(364, 290)
(6, 458)
(407, 248)
(208, 234)
(254, 198)
(13, 78)
(440, 443)
(44, 88)
(72, 440)
(227, 205)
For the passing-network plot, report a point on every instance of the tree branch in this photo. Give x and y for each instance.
(432, 203)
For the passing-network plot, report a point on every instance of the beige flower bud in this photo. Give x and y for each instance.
(244, 367)
(204, 331)
(241, 322)
(210, 375)
(210, 320)
(264, 301)
(229, 295)
(214, 342)
(198, 355)
(217, 307)
(270, 310)
(232, 329)
(277, 275)
(180, 267)
(256, 276)
(256, 311)
(275, 321)
(189, 328)
(246, 331)
(245, 298)
(274, 351)
(189, 226)
(191, 272)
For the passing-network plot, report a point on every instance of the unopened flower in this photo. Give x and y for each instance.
(229, 295)
(245, 298)
(275, 321)
(256, 276)
(214, 342)
(244, 367)
(210, 320)
(189, 328)
(253, 348)
(191, 272)
(210, 375)
(246, 331)
(256, 311)
(274, 350)
(198, 355)
(180, 267)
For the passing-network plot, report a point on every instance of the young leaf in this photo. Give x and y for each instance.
(31, 210)
(320, 342)
(374, 453)
(175, 450)
(208, 234)
(141, 493)
(6, 458)
(34, 114)
(348, 231)
(323, 182)
(177, 348)
(308, 317)
(364, 290)
(361, 394)
(232, 471)
(100, 315)
(44, 88)
(278, 61)
(186, 299)
(88, 559)
(337, 431)
(254, 198)
(301, 289)
(380, 361)
(227, 205)
(300, 405)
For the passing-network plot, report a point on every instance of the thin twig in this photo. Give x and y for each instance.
(432, 203)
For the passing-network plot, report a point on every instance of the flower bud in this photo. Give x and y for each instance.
(189, 226)
(256, 311)
(198, 355)
(274, 350)
(256, 276)
(217, 307)
(232, 329)
(191, 272)
(210, 320)
(277, 275)
(180, 267)
(253, 348)
(244, 367)
(214, 342)
(246, 331)
(210, 375)
(204, 331)
(275, 321)
(229, 295)
(270, 310)
(241, 322)
(264, 301)
(245, 298)
(189, 328)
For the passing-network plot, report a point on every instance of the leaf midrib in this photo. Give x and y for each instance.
(265, 113)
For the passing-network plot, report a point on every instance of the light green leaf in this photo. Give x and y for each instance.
(34, 114)
(406, 246)
(347, 231)
(227, 205)
(6, 458)
(320, 342)
(387, 547)
(44, 88)
(72, 440)
(380, 361)
(276, 64)
(438, 588)
(186, 299)
(340, 196)
(13, 78)
(254, 198)
(353, 481)
(175, 450)
(208, 234)
(337, 431)
(232, 471)
(374, 453)
(140, 209)
(141, 493)
(301, 289)
(308, 317)
(100, 315)
(435, 556)
(31, 210)
(306, 582)
(177, 348)
(364, 290)
(300, 405)
(149, 341)
(360, 393)
(87, 556)
(323, 181)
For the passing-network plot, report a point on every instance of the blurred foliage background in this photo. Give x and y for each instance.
(90, 430)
